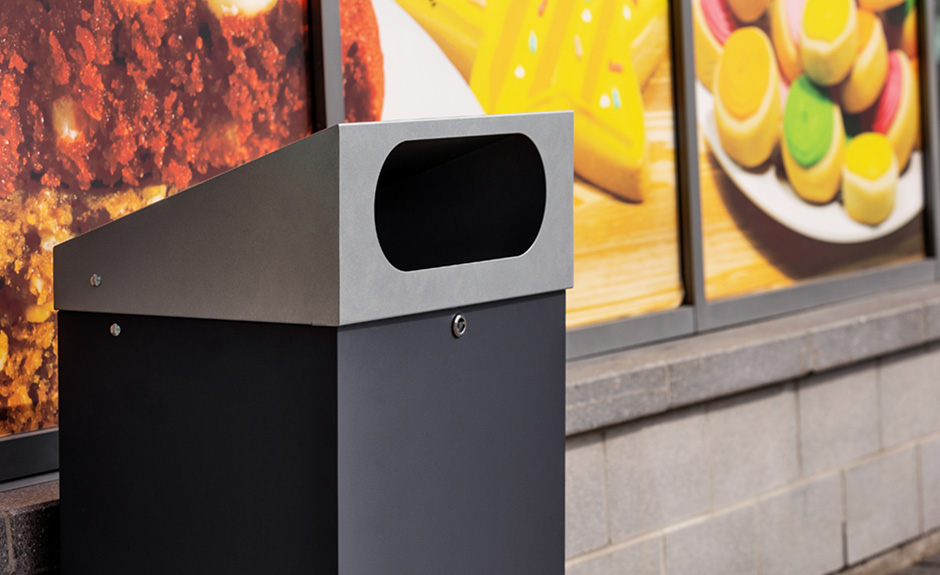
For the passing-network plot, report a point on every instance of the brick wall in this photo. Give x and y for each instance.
(802, 477)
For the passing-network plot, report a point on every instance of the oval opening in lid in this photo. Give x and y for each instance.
(450, 201)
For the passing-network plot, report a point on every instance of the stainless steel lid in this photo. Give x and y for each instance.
(356, 223)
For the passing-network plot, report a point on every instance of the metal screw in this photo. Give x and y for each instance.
(95, 280)
(115, 329)
(459, 325)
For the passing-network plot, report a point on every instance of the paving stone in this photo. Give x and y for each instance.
(585, 516)
(910, 396)
(933, 560)
(801, 529)
(4, 547)
(881, 504)
(930, 483)
(753, 444)
(642, 558)
(838, 417)
(608, 390)
(919, 570)
(33, 516)
(657, 472)
(723, 544)
(35, 538)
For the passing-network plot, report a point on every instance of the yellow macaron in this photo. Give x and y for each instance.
(713, 23)
(747, 97)
(869, 178)
(867, 78)
(829, 40)
(909, 34)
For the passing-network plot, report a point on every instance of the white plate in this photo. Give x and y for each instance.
(827, 223)
(420, 81)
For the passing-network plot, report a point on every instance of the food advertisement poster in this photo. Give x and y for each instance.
(607, 60)
(107, 106)
(809, 139)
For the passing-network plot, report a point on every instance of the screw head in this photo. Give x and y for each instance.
(95, 280)
(459, 325)
(115, 329)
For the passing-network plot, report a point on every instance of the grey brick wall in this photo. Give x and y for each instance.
(881, 502)
(804, 477)
(838, 417)
(585, 509)
(930, 476)
(910, 395)
(801, 528)
(657, 472)
(754, 445)
(717, 545)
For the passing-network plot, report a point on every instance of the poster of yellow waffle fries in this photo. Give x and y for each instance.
(607, 60)
(809, 139)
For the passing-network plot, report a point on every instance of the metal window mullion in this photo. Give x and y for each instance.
(690, 212)
(327, 63)
(929, 136)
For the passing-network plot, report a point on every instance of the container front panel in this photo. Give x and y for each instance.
(451, 450)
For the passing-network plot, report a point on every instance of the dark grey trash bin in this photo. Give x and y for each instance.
(345, 357)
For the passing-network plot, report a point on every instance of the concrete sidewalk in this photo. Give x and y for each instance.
(928, 566)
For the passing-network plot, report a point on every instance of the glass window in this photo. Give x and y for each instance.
(607, 60)
(106, 107)
(809, 140)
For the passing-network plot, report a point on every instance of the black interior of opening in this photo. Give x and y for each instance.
(459, 200)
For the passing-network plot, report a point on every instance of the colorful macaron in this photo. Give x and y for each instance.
(786, 26)
(829, 40)
(900, 22)
(909, 34)
(915, 69)
(813, 141)
(748, 11)
(713, 24)
(869, 178)
(867, 78)
(901, 30)
(879, 5)
(895, 115)
(747, 97)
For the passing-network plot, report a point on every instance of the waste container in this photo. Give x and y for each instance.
(344, 357)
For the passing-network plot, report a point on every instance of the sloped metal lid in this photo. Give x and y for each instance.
(356, 223)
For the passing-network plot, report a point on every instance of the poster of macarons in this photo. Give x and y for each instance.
(811, 108)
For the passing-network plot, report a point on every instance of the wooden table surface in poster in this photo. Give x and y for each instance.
(626, 259)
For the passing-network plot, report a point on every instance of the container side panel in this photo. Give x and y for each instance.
(196, 446)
